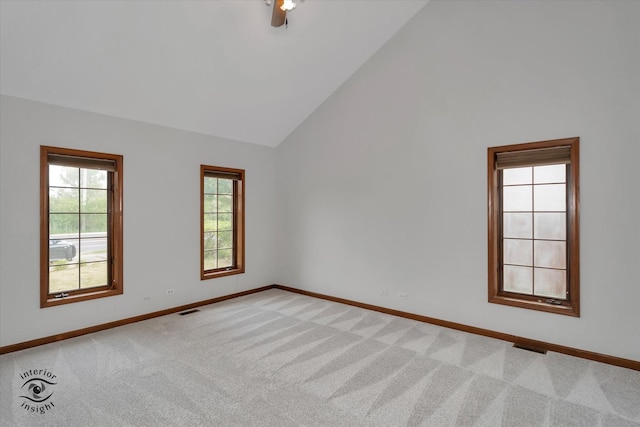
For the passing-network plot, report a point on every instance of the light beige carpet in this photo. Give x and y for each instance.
(281, 359)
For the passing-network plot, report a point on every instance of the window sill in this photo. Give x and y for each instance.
(223, 273)
(566, 309)
(85, 296)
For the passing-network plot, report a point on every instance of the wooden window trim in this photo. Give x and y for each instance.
(115, 226)
(570, 307)
(239, 221)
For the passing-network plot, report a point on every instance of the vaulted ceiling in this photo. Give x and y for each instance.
(215, 67)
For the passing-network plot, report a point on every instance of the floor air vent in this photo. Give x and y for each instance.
(530, 348)
(195, 310)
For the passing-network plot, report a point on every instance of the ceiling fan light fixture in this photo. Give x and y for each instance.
(288, 5)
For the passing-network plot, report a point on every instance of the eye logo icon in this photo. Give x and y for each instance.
(37, 390)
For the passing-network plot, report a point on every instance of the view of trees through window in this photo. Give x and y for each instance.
(218, 223)
(78, 225)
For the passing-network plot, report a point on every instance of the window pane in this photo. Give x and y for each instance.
(550, 197)
(210, 222)
(225, 186)
(94, 201)
(210, 260)
(94, 249)
(93, 178)
(210, 185)
(517, 198)
(63, 176)
(225, 239)
(210, 241)
(549, 254)
(225, 258)
(64, 224)
(517, 225)
(549, 173)
(550, 283)
(63, 200)
(93, 223)
(225, 222)
(550, 226)
(516, 176)
(518, 252)
(93, 274)
(225, 204)
(518, 279)
(63, 278)
(64, 250)
(210, 204)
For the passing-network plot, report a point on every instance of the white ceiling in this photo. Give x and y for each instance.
(215, 67)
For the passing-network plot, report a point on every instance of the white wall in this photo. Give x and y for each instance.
(384, 186)
(161, 215)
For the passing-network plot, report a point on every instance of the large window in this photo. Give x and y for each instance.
(534, 226)
(221, 221)
(80, 225)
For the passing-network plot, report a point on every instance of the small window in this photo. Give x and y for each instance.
(221, 222)
(80, 225)
(534, 226)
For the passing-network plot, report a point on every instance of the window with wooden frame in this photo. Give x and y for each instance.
(80, 225)
(534, 226)
(221, 221)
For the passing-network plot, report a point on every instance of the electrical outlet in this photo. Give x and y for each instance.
(147, 298)
(384, 292)
(170, 291)
(402, 295)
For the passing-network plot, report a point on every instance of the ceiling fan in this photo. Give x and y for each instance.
(280, 9)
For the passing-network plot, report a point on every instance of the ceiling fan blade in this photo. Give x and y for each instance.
(279, 16)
